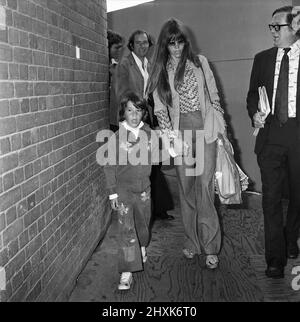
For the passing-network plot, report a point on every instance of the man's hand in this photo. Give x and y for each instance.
(258, 120)
(114, 203)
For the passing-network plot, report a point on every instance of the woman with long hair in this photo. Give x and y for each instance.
(186, 98)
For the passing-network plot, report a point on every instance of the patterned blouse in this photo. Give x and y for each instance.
(188, 90)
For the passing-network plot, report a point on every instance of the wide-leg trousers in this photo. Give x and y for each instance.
(196, 194)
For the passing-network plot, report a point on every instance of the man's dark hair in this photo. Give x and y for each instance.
(113, 38)
(285, 9)
(138, 32)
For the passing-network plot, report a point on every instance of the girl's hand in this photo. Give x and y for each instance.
(180, 147)
(114, 204)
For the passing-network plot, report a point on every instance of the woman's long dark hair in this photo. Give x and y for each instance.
(158, 79)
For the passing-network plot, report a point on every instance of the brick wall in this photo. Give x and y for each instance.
(53, 209)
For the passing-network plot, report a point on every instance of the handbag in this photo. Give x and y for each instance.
(230, 180)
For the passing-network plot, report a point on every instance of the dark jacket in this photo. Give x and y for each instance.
(262, 74)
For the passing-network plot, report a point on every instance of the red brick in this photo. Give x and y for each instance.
(22, 208)
(14, 71)
(46, 176)
(39, 27)
(25, 121)
(4, 108)
(24, 89)
(22, 22)
(12, 4)
(39, 58)
(20, 294)
(19, 175)
(5, 146)
(25, 105)
(26, 269)
(28, 171)
(13, 248)
(2, 221)
(26, 139)
(4, 256)
(13, 37)
(29, 186)
(11, 215)
(41, 89)
(33, 230)
(12, 231)
(7, 126)
(41, 73)
(27, 155)
(8, 181)
(8, 162)
(23, 72)
(24, 39)
(22, 55)
(36, 291)
(14, 107)
(3, 71)
(5, 52)
(40, 12)
(33, 246)
(37, 166)
(41, 224)
(24, 239)
(6, 90)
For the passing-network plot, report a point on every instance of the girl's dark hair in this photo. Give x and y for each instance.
(130, 44)
(158, 79)
(136, 101)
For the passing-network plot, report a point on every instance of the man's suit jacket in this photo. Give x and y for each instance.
(263, 75)
(129, 78)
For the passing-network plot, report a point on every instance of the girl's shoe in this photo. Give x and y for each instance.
(188, 253)
(125, 281)
(212, 261)
(144, 254)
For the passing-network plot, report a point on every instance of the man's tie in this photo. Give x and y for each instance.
(281, 98)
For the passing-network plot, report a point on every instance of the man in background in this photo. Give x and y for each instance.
(115, 50)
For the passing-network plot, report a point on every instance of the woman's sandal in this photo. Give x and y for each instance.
(188, 253)
(212, 261)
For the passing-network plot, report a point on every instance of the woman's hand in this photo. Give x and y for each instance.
(180, 147)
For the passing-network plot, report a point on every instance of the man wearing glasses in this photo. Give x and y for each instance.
(278, 141)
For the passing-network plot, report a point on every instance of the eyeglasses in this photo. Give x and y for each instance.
(277, 27)
(174, 42)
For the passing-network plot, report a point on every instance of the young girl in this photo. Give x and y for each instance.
(128, 183)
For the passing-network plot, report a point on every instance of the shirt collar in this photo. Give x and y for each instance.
(113, 61)
(138, 61)
(134, 130)
(294, 47)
